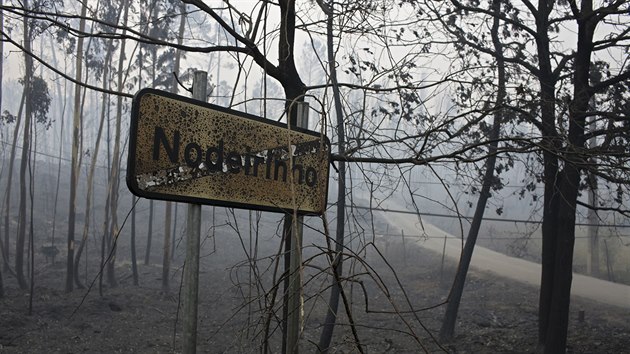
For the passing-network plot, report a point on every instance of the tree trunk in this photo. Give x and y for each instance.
(62, 115)
(31, 231)
(154, 10)
(550, 170)
(1, 53)
(593, 229)
(90, 178)
(74, 171)
(166, 260)
(294, 90)
(6, 236)
(558, 316)
(7, 195)
(134, 261)
(336, 257)
(559, 233)
(147, 256)
(174, 234)
(592, 261)
(26, 147)
(168, 217)
(104, 243)
(1, 285)
(115, 175)
(450, 316)
(104, 238)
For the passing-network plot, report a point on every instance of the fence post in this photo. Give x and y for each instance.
(442, 265)
(404, 247)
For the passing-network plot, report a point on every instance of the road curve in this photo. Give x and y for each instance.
(513, 268)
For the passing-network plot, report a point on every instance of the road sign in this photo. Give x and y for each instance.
(189, 151)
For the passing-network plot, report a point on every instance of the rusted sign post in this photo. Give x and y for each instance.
(190, 151)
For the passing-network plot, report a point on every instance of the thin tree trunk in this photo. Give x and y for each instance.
(105, 239)
(90, 178)
(1, 285)
(134, 261)
(593, 229)
(1, 54)
(26, 146)
(166, 260)
(174, 234)
(62, 115)
(450, 316)
(2, 247)
(154, 11)
(74, 172)
(31, 232)
(147, 256)
(7, 195)
(294, 90)
(141, 60)
(115, 175)
(104, 242)
(6, 236)
(593, 220)
(337, 255)
(168, 239)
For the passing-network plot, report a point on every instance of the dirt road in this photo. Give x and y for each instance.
(505, 266)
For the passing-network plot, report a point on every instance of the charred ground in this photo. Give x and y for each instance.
(496, 315)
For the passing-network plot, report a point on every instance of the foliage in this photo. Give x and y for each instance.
(8, 117)
(41, 101)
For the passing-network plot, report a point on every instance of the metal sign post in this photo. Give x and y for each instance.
(293, 227)
(193, 231)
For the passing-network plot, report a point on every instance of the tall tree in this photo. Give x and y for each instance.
(76, 141)
(168, 213)
(563, 171)
(5, 248)
(337, 255)
(157, 17)
(450, 316)
(114, 182)
(558, 106)
(62, 116)
(92, 169)
(26, 144)
(7, 194)
(2, 247)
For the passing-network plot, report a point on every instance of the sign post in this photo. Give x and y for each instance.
(187, 150)
(193, 231)
(293, 228)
